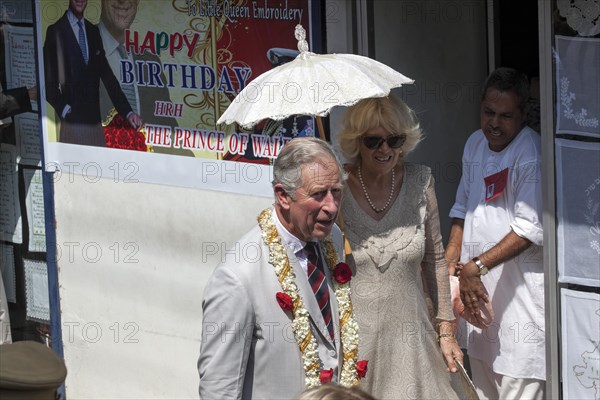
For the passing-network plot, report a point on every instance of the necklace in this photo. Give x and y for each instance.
(300, 316)
(389, 200)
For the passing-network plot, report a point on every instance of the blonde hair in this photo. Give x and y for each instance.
(332, 391)
(390, 113)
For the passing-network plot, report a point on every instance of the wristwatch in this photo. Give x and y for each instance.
(482, 268)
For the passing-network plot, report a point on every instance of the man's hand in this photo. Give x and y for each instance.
(471, 287)
(135, 120)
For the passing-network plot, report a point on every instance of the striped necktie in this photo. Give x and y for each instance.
(82, 45)
(128, 89)
(318, 282)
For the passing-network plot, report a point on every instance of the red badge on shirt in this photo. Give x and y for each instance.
(495, 184)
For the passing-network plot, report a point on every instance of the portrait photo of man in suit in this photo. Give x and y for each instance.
(74, 65)
(117, 16)
(248, 348)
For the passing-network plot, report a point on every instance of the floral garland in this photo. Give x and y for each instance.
(290, 300)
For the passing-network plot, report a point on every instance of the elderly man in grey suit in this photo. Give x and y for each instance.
(271, 310)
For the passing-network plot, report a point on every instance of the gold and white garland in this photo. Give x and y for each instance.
(300, 316)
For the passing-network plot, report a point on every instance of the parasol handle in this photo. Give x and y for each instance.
(340, 221)
(347, 248)
(320, 127)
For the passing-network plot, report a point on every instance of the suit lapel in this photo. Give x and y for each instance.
(310, 301)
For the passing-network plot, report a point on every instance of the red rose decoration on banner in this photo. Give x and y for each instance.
(361, 368)
(285, 301)
(123, 140)
(139, 143)
(119, 134)
(342, 273)
(326, 375)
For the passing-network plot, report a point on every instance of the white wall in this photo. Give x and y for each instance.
(133, 262)
(442, 45)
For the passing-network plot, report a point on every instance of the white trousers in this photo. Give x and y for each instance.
(491, 385)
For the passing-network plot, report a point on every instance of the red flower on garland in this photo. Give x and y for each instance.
(285, 301)
(119, 134)
(361, 368)
(342, 273)
(326, 375)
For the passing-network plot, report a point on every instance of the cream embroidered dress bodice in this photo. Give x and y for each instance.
(396, 332)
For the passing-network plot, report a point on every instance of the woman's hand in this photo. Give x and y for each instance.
(453, 267)
(449, 346)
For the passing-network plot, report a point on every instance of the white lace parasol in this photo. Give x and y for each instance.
(311, 84)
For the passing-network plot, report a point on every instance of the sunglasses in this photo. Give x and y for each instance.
(375, 142)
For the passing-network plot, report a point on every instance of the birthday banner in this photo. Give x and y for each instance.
(147, 80)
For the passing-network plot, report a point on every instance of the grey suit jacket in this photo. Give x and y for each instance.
(248, 348)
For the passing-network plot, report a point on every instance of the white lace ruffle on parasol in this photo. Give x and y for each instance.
(311, 84)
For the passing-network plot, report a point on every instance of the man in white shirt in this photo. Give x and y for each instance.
(495, 241)
(116, 17)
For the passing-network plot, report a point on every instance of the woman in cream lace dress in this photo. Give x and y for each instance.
(391, 221)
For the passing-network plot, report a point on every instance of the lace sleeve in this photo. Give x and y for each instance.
(435, 269)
